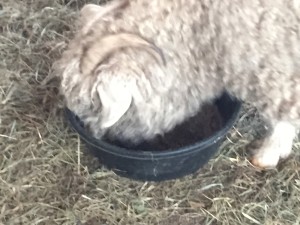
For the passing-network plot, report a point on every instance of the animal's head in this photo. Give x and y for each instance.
(114, 95)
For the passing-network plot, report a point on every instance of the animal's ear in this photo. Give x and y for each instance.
(89, 11)
(116, 99)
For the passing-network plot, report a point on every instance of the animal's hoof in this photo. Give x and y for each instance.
(261, 164)
(258, 160)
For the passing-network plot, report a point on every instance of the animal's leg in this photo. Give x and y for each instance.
(276, 146)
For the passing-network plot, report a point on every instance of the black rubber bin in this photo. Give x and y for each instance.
(160, 165)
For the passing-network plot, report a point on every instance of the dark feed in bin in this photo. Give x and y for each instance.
(194, 129)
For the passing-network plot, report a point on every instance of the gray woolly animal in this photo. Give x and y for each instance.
(137, 68)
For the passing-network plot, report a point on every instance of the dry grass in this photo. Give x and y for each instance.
(43, 180)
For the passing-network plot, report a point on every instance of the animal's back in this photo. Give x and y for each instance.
(261, 59)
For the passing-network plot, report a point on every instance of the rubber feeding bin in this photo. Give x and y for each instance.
(160, 165)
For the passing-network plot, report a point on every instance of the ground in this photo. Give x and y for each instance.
(47, 177)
